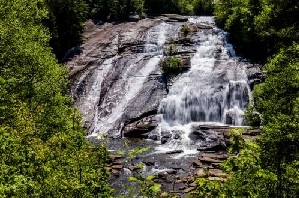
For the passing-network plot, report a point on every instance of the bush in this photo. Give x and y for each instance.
(252, 117)
(186, 30)
(170, 65)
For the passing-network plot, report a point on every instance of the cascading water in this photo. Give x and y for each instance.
(213, 92)
(116, 82)
(119, 89)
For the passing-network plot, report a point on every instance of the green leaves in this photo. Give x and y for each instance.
(150, 178)
(65, 23)
(131, 178)
(156, 188)
(43, 149)
(170, 65)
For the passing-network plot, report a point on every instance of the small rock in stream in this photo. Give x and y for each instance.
(197, 163)
(215, 147)
(171, 171)
(166, 134)
(154, 137)
(174, 152)
(133, 168)
(149, 163)
(164, 140)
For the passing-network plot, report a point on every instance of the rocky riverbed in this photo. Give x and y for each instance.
(176, 172)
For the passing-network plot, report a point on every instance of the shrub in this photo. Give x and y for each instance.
(186, 30)
(252, 117)
(170, 65)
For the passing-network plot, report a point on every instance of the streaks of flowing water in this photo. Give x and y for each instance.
(132, 79)
(88, 102)
(213, 91)
(132, 85)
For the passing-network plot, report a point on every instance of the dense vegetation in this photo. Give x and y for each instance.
(268, 167)
(259, 28)
(65, 18)
(65, 23)
(43, 149)
(120, 9)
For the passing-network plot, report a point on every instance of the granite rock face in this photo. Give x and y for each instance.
(119, 88)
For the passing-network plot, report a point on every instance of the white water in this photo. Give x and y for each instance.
(213, 92)
(132, 86)
(132, 81)
(88, 104)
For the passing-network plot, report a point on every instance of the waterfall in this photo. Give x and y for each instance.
(214, 91)
(108, 88)
(119, 88)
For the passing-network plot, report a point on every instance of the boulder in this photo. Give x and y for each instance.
(197, 163)
(216, 173)
(162, 175)
(188, 190)
(213, 147)
(203, 26)
(175, 18)
(115, 172)
(217, 179)
(174, 152)
(164, 194)
(208, 139)
(166, 134)
(164, 140)
(133, 168)
(178, 181)
(209, 160)
(118, 167)
(154, 137)
(149, 163)
(201, 173)
(171, 171)
(112, 157)
(134, 17)
(140, 128)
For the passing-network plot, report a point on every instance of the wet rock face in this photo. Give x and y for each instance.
(141, 128)
(116, 78)
(208, 139)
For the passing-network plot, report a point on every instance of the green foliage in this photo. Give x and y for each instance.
(136, 151)
(65, 23)
(259, 28)
(145, 186)
(115, 9)
(246, 177)
(277, 23)
(121, 9)
(186, 30)
(207, 189)
(203, 7)
(148, 188)
(43, 150)
(272, 27)
(252, 116)
(170, 65)
(237, 17)
(279, 140)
